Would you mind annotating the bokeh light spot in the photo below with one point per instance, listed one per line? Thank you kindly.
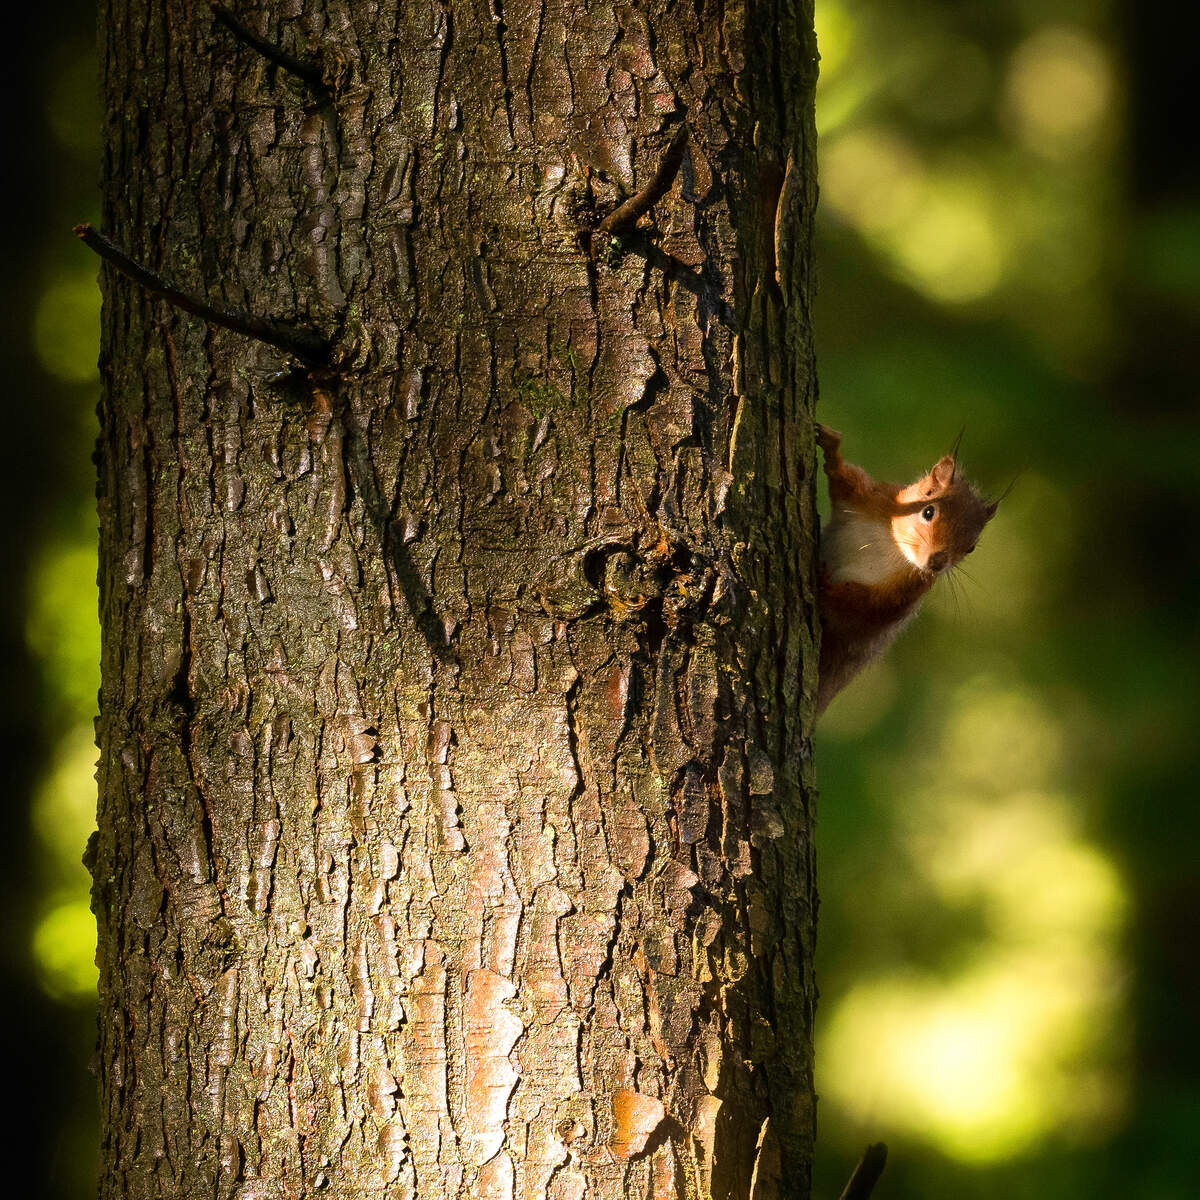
(835, 35)
(979, 1064)
(64, 946)
(872, 178)
(937, 231)
(951, 248)
(65, 325)
(1059, 90)
(64, 806)
(63, 628)
(995, 730)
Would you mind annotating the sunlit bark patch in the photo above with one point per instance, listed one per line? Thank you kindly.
(635, 1118)
(492, 1030)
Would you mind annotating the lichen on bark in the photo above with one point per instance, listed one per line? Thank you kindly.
(455, 796)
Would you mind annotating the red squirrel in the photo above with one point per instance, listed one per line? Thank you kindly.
(881, 551)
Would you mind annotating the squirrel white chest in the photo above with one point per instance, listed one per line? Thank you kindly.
(860, 549)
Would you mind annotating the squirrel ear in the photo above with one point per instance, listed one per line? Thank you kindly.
(990, 509)
(943, 474)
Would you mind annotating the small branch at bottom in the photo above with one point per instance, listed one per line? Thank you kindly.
(866, 1174)
(309, 72)
(625, 216)
(310, 348)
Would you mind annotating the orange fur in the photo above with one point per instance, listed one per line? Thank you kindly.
(881, 551)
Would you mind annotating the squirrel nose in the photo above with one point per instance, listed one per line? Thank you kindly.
(938, 561)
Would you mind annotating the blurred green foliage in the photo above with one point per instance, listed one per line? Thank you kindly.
(52, 627)
(988, 1004)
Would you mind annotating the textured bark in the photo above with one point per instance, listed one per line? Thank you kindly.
(455, 800)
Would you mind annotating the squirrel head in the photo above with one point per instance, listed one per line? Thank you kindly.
(939, 518)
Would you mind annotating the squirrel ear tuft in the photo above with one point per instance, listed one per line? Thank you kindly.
(943, 474)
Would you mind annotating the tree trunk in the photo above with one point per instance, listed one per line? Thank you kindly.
(455, 791)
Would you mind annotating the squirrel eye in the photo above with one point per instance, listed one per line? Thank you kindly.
(928, 511)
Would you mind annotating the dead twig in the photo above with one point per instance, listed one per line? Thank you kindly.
(309, 72)
(310, 348)
(866, 1174)
(626, 215)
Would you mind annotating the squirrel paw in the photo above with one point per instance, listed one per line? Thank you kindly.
(828, 439)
